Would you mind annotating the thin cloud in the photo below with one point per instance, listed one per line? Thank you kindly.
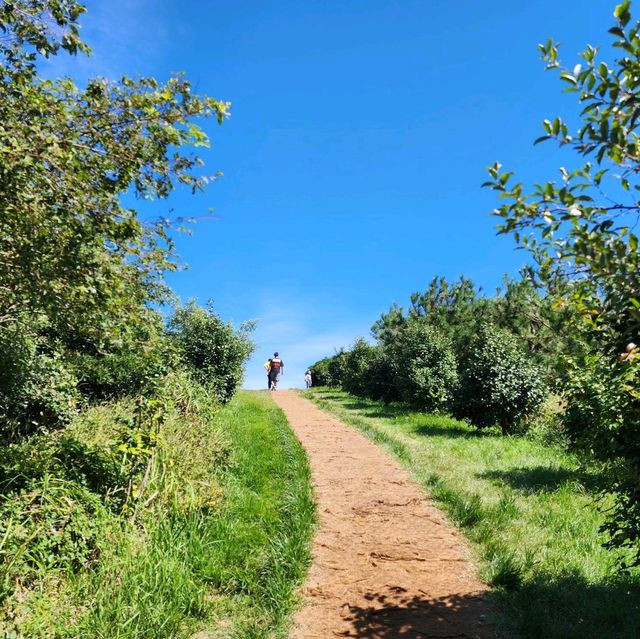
(289, 327)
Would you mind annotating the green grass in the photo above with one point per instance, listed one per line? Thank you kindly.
(530, 509)
(221, 547)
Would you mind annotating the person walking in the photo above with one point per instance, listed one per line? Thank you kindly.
(276, 370)
(307, 378)
(267, 366)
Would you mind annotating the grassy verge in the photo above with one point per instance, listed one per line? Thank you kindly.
(529, 508)
(216, 541)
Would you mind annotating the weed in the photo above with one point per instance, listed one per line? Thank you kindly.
(216, 535)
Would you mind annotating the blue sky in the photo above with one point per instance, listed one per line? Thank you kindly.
(358, 140)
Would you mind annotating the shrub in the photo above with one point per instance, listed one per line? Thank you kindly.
(56, 525)
(24, 466)
(498, 383)
(211, 350)
(369, 372)
(601, 393)
(425, 366)
(142, 358)
(320, 372)
(56, 495)
(329, 371)
(37, 390)
(581, 232)
(548, 425)
(381, 380)
(357, 368)
(593, 398)
(336, 368)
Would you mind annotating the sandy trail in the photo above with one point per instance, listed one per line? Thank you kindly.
(386, 564)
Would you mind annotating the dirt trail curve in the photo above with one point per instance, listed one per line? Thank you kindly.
(386, 565)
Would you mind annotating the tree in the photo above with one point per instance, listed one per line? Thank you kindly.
(78, 269)
(358, 363)
(336, 368)
(387, 326)
(69, 249)
(541, 325)
(499, 384)
(459, 310)
(580, 232)
(425, 366)
(210, 349)
(320, 372)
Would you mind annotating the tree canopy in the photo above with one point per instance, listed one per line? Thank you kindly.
(81, 274)
(69, 250)
(581, 232)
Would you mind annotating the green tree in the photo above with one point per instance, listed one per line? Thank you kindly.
(211, 349)
(580, 232)
(78, 269)
(69, 249)
(424, 365)
(37, 388)
(387, 326)
(336, 368)
(499, 384)
(459, 309)
(358, 363)
(382, 381)
(456, 309)
(320, 372)
(539, 322)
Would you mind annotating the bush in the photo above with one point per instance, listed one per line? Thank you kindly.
(601, 394)
(329, 371)
(320, 372)
(548, 425)
(382, 383)
(210, 349)
(143, 357)
(55, 525)
(498, 383)
(593, 398)
(37, 389)
(56, 494)
(336, 368)
(358, 363)
(425, 366)
(369, 372)
(365, 371)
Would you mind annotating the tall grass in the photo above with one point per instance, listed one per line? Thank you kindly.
(219, 546)
(531, 510)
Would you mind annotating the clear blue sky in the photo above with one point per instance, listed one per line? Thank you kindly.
(358, 140)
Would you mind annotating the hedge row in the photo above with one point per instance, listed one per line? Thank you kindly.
(449, 354)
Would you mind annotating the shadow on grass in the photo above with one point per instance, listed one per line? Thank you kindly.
(546, 608)
(330, 397)
(437, 430)
(397, 615)
(570, 608)
(544, 478)
(392, 411)
(375, 411)
(365, 406)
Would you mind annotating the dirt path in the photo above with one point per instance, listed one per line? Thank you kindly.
(385, 562)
